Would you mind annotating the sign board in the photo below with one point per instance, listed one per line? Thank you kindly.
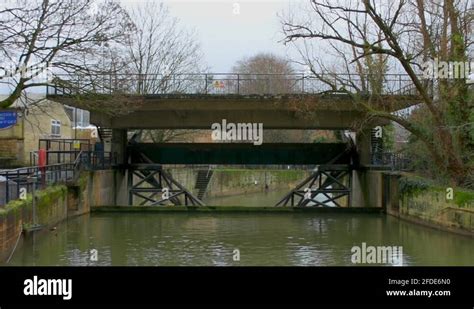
(77, 145)
(218, 84)
(7, 119)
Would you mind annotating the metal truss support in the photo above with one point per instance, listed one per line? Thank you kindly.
(328, 186)
(157, 187)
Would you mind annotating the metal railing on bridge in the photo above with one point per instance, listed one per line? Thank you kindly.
(230, 83)
(391, 160)
(217, 167)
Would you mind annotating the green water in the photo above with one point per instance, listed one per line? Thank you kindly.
(262, 239)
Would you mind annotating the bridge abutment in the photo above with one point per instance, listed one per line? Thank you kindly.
(366, 189)
(364, 145)
(119, 145)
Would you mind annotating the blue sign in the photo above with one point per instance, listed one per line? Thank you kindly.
(7, 119)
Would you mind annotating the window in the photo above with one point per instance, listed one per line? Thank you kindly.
(55, 127)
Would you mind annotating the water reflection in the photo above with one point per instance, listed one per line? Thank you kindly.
(262, 239)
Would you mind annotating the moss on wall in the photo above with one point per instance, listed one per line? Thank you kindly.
(17, 216)
(423, 199)
(415, 186)
(44, 200)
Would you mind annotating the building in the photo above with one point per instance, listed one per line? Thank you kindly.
(29, 119)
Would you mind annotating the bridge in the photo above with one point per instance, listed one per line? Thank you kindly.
(119, 103)
(196, 101)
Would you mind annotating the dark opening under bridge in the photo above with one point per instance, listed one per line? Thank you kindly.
(119, 103)
(242, 153)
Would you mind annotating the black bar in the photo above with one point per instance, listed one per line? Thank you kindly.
(242, 285)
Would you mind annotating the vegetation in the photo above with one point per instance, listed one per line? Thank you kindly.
(44, 199)
(374, 38)
(414, 185)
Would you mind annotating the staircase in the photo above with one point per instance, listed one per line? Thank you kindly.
(202, 181)
(104, 133)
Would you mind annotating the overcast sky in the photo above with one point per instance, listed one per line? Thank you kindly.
(226, 35)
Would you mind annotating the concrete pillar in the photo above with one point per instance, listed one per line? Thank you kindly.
(366, 190)
(361, 190)
(364, 145)
(119, 145)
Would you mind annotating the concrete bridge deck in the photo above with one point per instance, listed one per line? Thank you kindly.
(200, 111)
(195, 101)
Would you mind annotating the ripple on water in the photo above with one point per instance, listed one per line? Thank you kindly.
(262, 239)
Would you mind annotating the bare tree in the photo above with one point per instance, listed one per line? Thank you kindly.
(63, 36)
(161, 52)
(265, 73)
(402, 34)
(161, 56)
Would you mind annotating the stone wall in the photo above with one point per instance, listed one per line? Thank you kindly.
(11, 152)
(423, 202)
(17, 216)
(18, 141)
(57, 203)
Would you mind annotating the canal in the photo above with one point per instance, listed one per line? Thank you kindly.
(262, 239)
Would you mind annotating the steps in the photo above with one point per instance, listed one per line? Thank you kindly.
(104, 133)
(202, 181)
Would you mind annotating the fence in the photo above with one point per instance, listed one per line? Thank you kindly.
(230, 83)
(241, 166)
(17, 182)
(393, 161)
(100, 159)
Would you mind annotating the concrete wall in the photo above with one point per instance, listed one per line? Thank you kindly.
(225, 182)
(108, 187)
(57, 203)
(366, 188)
(422, 202)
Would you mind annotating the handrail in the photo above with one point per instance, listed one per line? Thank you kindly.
(12, 171)
(227, 83)
(78, 159)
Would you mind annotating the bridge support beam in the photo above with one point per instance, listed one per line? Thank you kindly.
(364, 145)
(329, 186)
(119, 145)
(366, 188)
(366, 184)
(154, 186)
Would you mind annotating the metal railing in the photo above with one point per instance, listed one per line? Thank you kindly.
(15, 183)
(230, 83)
(217, 167)
(18, 182)
(95, 159)
(391, 160)
(64, 144)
